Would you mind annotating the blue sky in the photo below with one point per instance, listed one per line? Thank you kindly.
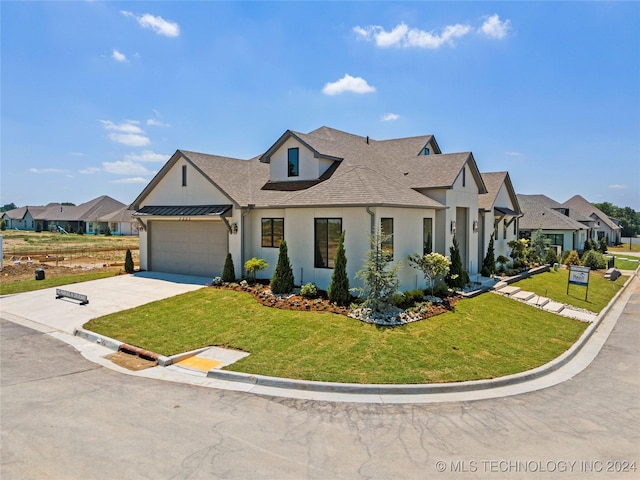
(96, 96)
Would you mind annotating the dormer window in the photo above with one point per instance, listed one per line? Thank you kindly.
(426, 150)
(292, 166)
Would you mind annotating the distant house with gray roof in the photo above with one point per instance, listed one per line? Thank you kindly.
(308, 188)
(601, 225)
(554, 220)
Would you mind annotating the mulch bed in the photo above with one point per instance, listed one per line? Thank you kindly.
(264, 296)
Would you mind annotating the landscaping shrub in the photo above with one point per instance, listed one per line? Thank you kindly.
(108, 232)
(39, 227)
(537, 247)
(457, 277)
(254, 265)
(587, 246)
(433, 265)
(603, 245)
(550, 256)
(229, 271)
(338, 290)
(217, 281)
(407, 299)
(489, 262)
(81, 231)
(519, 252)
(594, 260)
(282, 281)
(309, 290)
(3, 225)
(380, 282)
(572, 258)
(503, 261)
(128, 262)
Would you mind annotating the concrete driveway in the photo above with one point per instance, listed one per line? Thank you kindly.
(105, 296)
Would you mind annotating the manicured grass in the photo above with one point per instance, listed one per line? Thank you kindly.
(625, 264)
(30, 285)
(487, 336)
(553, 285)
(635, 247)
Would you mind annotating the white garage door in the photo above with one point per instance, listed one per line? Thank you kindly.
(192, 248)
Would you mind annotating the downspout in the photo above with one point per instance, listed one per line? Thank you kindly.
(373, 220)
(245, 212)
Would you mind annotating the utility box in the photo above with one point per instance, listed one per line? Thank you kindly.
(39, 274)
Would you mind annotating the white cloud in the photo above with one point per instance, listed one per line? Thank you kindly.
(390, 117)
(118, 56)
(125, 168)
(157, 24)
(130, 139)
(129, 126)
(157, 123)
(403, 36)
(131, 180)
(48, 170)
(494, 28)
(617, 186)
(90, 170)
(348, 84)
(147, 156)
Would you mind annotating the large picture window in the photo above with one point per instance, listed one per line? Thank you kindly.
(554, 238)
(292, 165)
(327, 233)
(386, 226)
(427, 236)
(272, 232)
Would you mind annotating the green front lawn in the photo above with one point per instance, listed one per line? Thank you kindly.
(487, 336)
(625, 264)
(553, 285)
(7, 288)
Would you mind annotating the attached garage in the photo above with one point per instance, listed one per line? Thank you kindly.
(188, 247)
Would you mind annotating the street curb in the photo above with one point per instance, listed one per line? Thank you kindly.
(98, 339)
(412, 389)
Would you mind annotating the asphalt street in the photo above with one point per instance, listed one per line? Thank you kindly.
(63, 417)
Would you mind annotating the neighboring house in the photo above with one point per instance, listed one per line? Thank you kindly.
(120, 222)
(25, 218)
(601, 226)
(499, 212)
(543, 213)
(85, 216)
(307, 189)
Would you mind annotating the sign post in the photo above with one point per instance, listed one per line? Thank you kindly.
(579, 276)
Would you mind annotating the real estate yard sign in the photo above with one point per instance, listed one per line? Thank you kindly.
(579, 276)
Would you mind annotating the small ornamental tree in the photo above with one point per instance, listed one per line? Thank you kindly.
(380, 281)
(282, 281)
(550, 256)
(489, 262)
(457, 277)
(254, 265)
(572, 259)
(519, 252)
(229, 271)
(128, 262)
(3, 225)
(338, 291)
(603, 245)
(432, 265)
(537, 246)
(587, 246)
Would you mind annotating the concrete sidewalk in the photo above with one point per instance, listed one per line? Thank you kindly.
(107, 295)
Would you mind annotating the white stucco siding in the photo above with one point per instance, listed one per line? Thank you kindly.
(463, 197)
(356, 223)
(309, 167)
(198, 191)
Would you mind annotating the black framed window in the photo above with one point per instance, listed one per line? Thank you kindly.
(293, 162)
(386, 226)
(184, 175)
(327, 233)
(427, 236)
(272, 232)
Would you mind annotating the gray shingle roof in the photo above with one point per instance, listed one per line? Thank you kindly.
(372, 172)
(493, 181)
(88, 211)
(587, 209)
(538, 215)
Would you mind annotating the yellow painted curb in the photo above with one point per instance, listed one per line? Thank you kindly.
(199, 363)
